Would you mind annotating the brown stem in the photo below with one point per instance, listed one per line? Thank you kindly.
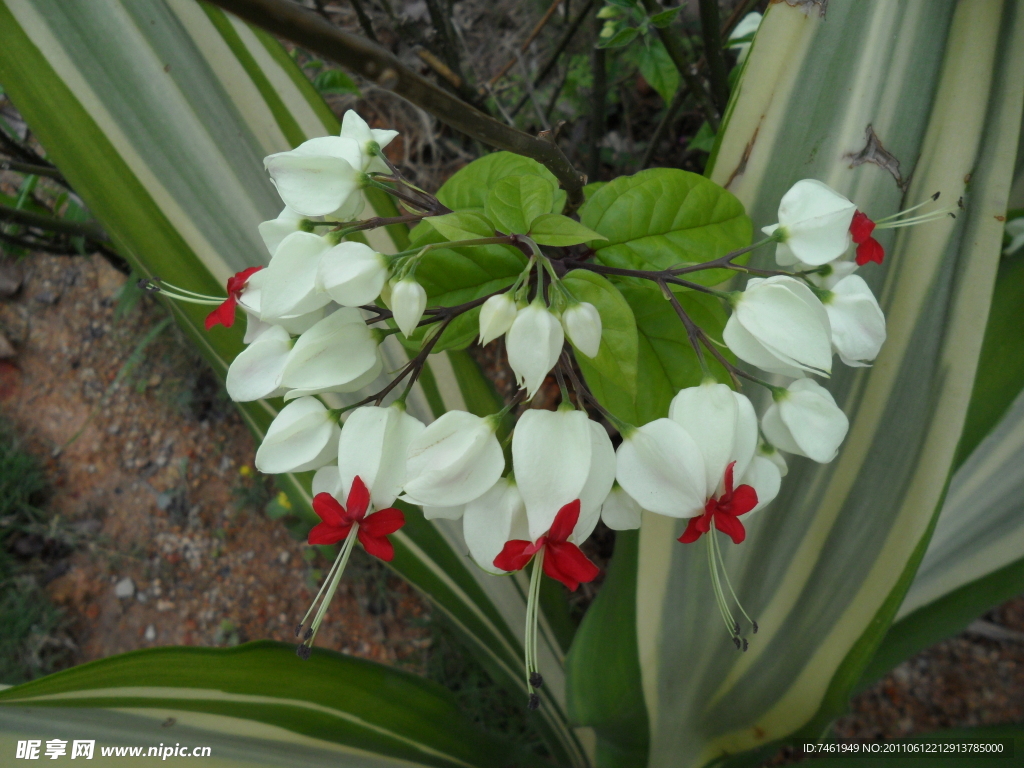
(526, 43)
(39, 221)
(31, 168)
(375, 63)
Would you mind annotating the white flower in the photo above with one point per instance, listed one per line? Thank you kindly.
(673, 466)
(352, 274)
(600, 479)
(454, 460)
(805, 420)
(288, 284)
(833, 273)
(582, 324)
(257, 370)
(496, 317)
(780, 326)
(354, 127)
(303, 436)
(250, 301)
(276, 230)
(551, 452)
(748, 25)
(320, 177)
(768, 451)
(858, 325)
(408, 300)
(338, 354)
(374, 444)
(534, 343)
(814, 221)
(620, 512)
(491, 520)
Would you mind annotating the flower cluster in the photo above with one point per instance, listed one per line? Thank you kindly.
(317, 314)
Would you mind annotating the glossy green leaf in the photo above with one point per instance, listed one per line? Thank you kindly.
(335, 81)
(666, 362)
(661, 218)
(336, 707)
(617, 358)
(624, 36)
(656, 66)
(557, 230)
(468, 187)
(462, 225)
(515, 201)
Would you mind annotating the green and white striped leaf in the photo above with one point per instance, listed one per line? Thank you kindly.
(159, 113)
(825, 567)
(256, 704)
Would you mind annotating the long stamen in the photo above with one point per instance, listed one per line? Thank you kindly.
(306, 647)
(905, 211)
(154, 285)
(533, 678)
(924, 217)
(728, 583)
(723, 607)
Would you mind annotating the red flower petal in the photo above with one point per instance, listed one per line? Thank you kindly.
(329, 510)
(693, 530)
(378, 546)
(567, 563)
(565, 521)
(358, 499)
(382, 522)
(325, 533)
(515, 555)
(728, 479)
(861, 227)
(742, 501)
(222, 315)
(870, 250)
(237, 281)
(731, 526)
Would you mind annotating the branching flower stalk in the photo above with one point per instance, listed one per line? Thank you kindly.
(317, 314)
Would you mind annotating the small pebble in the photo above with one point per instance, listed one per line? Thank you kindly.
(124, 588)
(284, 557)
(150, 633)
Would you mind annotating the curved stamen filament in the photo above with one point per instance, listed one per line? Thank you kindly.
(530, 640)
(333, 579)
(728, 583)
(723, 607)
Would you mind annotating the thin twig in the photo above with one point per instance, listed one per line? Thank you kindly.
(364, 20)
(375, 63)
(33, 169)
(526, 44)
(39, 221)
(717, 74)
(440, 68)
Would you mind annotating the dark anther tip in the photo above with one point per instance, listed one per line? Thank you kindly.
(754, 624)
(303, 651)
(736, 628)
(149, 284)
(533, 702)
(736, 642)
(536, 680)
(308, 635)
(745, 646)
(298, 630)
(936, 195)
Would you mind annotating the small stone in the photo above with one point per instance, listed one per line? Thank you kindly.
(11, 276)
(47, 297)
(154, 380)
(164, 605)
(150, 633)
(124, 588)
(141, 597)
(284, 557)
(6, 348)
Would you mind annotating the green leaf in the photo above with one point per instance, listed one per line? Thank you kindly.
(704, 139)
(468, 187)
(556, 229)
(335, 81)
(663, 19)
(515, 201)
(624, 36)
(662, 217)
(623, 3)
(462, 225)
(658, 69)
(666, 361)
(328, 706)
(617, 358)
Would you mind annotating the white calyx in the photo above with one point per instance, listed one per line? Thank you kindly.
(805, 420)
(493, 519)
(289, 281)
(274, 231)
(533, 343)
(858, 324)
(338, 354)
(351, 274)
(320, 177)
(354, 127)
(303, 436)
(496, 317)
(408, 300)
(582, 324)
(257, 370)
(814, 221)
(374, 444)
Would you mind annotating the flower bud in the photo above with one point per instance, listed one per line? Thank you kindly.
(373, 446)
(582, 324)
(303, 436)
(534, 343)
(257, 370)
(496, 317)
(454, 460)
(338, 354)
(805, 420)
(620, 512)
(352, 274)
(408, 300)
(858, 324)
(814, 221)
(780, 326)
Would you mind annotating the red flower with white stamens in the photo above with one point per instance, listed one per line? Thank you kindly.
(868, 249)
(723, 512)
(563, 560)
(225, 313)
(373, 529)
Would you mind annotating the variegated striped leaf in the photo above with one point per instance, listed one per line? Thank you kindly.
(159, 112)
